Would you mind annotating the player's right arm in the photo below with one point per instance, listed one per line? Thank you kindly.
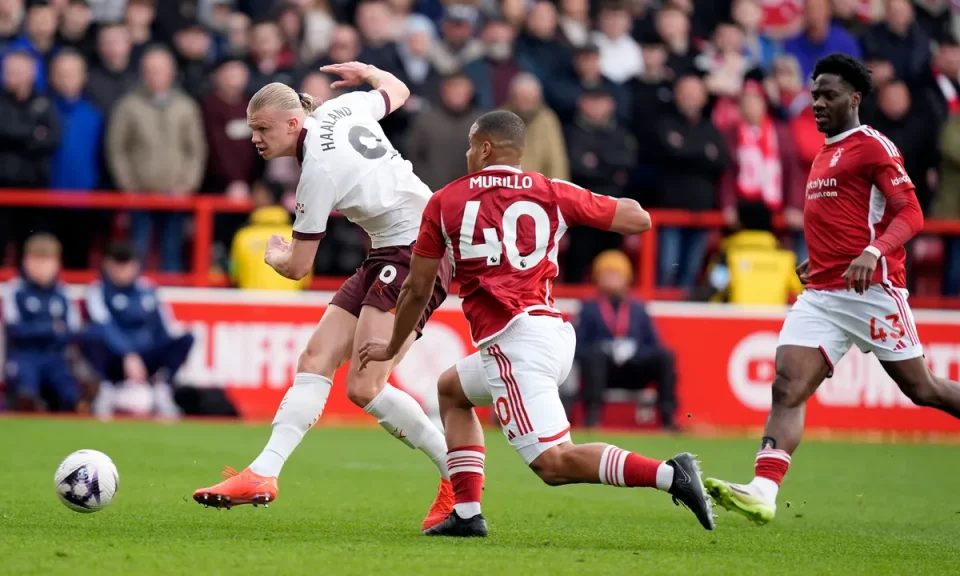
(585, 208)
(316, 198)
(391, 89)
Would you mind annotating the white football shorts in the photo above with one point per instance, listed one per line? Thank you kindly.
(519, 373)
(878, 321)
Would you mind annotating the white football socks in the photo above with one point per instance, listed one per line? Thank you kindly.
(767, 488)
(298, 412)
(400, 415)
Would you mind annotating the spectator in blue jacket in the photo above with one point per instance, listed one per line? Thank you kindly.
(821, 37)
(39, 38)
(76, 162)
(39, 320)
(133, 339)
(618, 346)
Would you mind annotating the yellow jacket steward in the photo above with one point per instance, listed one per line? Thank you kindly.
(247, 267)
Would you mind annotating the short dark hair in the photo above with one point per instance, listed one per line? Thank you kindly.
(120, 251)
(503, 126)
(848, 68)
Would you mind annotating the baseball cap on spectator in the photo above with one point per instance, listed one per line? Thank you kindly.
(32, 3)
(460, 13)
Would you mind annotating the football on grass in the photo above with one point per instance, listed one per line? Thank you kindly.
(86, 481)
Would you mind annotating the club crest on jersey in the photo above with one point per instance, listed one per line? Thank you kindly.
(836, 157)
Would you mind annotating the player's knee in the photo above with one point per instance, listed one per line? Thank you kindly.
(551, 467)
(314, 361)
(362, 391)
(787, 392)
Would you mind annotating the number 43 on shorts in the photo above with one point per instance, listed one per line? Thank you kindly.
(878, 333)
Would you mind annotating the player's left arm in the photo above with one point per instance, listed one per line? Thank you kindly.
(293, 259)
(416, 290)
(890, 177)
(391, 89)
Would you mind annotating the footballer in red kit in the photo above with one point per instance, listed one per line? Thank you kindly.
(502, 228)
(860, 210)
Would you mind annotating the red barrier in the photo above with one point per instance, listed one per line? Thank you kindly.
(248, 344)
(205, 207)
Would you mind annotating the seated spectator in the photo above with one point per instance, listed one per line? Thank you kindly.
(247, 268)
(911, 129)
(900, 40)
(146, 160)
(39, 38)
(115, 74)
(759, 49)
(39, 320)
(414, 49)
(456, 47)
(602, 154)
(546, 152)
(11, 18)
(132, 338)
(587, 75)
(270, 60)
(673, 26)
(764, 175)
(940, 86)
(620, 57)
(691, 155)
(139, 18)
(193, 48)
(492, 73)
(618, 346)
(435, 145)
(377, 26)
(75, 28)
(947, 202)
(574, 22)
(540, 48)
(820, 38)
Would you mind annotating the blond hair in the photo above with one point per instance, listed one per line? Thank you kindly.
(279, 96)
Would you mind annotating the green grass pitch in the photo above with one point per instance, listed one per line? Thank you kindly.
(351, 503)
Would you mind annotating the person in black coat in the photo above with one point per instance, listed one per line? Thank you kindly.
(29, 136)
(691, 155)
(601, 153)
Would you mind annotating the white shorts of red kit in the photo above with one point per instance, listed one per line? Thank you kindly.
(519, 373)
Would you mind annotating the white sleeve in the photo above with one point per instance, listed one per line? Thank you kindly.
(316, 199)
(96, 304)
(11, 313)
(374, 102)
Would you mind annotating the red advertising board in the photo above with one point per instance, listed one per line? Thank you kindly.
(249, 342)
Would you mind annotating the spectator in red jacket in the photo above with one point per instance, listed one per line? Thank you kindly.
(764, 175)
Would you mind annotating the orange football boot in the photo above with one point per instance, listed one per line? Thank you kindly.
(239, 488)
(442, 506)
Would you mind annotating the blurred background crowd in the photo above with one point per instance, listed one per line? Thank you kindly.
(697, 105)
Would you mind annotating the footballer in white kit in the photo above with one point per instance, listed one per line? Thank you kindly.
(502, 227)
(347, 165)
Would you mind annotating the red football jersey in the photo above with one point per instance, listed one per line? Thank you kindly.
(846, 206)
(503, 227)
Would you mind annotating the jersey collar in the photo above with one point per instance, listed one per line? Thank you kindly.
(504, 167)
(301, 141)
(843, 135)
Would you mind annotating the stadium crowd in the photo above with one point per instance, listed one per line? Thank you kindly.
(689, 104)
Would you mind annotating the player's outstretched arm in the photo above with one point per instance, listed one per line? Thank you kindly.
(357, 73)
(630, 217)
(293, 259)
(411, 303)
